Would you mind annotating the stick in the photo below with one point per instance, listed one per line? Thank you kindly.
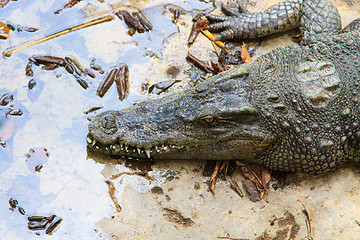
(9, 51)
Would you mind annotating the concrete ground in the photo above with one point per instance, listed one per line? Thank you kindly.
(173, 200)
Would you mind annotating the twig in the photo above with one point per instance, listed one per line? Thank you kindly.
(309, 221)
(9, 51)
(111, 187)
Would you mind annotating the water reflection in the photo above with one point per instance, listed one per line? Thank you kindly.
(69, 185)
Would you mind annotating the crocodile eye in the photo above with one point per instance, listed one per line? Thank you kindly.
(108, 124)
(208, 119)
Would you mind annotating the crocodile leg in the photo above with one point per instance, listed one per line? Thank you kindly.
(312, 16)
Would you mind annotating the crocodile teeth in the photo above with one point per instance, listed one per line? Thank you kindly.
(147, 151)
(94, 142)
(126, 148)
(138, 150)
(89, 140)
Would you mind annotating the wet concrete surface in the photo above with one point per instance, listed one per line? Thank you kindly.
(173, 200)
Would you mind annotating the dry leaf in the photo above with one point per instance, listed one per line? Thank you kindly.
(265, 176)
(309, 221)
(122, 81)
(245, 56)
(200, 64)
(236, 187)
(255, 194)
(214, 176)
(251, 175)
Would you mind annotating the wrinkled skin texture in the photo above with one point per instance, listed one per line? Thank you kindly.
(294, 109)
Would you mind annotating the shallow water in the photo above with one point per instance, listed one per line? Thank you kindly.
(72, 185)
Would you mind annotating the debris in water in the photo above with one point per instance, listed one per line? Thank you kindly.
(69, 4)
(9, 51)
(122, 80)
(161, 87)
(36, 158)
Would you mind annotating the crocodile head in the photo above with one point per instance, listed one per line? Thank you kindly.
(214, 121)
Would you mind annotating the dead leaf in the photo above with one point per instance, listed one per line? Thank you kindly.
(251, 175)
(245, 56)
(200, 64)
(265, 176)
(255, 194)
(236, 187)
(161, 87)
(309, 221)
(214, 177)
(69, 4)
(122, 81)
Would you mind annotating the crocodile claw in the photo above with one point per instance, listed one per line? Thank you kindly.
(225, 25)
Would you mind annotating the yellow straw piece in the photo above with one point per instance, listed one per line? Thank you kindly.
(9, 51)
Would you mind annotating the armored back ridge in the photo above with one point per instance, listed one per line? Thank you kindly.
(293, 109)
(308, 97)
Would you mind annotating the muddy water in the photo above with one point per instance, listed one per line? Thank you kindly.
(72, 184)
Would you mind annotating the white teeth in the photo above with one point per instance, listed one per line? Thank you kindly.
(126, 148)
(94, 142)
(147, 151)
(121, 147)
(156, 147)
(138, 150)
(89, 140)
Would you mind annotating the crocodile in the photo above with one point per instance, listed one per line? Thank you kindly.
(293, 109)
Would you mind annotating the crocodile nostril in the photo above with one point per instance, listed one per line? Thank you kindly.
(108, 122)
